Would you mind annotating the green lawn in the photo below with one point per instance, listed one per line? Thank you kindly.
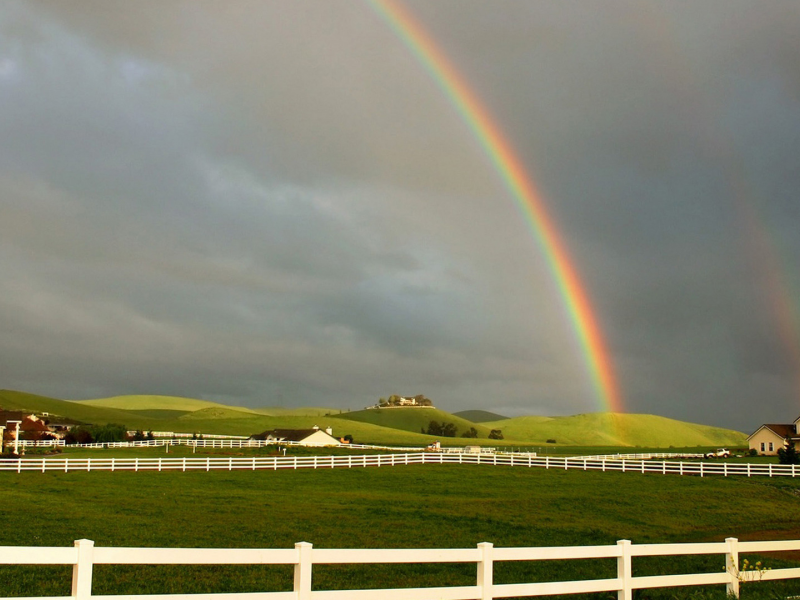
(401, 507)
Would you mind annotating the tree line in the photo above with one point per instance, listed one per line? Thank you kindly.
(447, 429)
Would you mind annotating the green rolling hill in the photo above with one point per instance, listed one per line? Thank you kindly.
(397, 426)
(150, 402)
(215, 413)
(207, 418)
(479, 416)
(412, 419)
(13, 400)
(616, 429)
(279, 411)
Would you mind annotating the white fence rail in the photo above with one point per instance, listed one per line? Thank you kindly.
(84, 555)
(199, 443)
(643, 456)
(230, 463)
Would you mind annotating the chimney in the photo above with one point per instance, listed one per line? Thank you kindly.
(315, 428)
(329, 430)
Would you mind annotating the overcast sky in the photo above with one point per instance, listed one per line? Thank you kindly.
(271, 202)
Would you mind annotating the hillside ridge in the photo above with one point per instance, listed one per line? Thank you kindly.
(397, 426)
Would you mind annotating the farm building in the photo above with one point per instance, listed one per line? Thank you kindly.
(771, 437)
(30, 426)
(306, 437)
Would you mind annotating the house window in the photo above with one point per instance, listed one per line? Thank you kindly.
(762, 446)
(770, 447)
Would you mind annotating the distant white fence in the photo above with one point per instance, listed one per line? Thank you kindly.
(197, 443)
(231, 463)
(643, 456)
(84, 555)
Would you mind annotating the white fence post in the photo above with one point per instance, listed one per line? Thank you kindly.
(302, 571)
(82, 570)
(624, 571)
(486, 570)
(732, 566)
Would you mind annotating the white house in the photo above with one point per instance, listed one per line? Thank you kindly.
(306, 437)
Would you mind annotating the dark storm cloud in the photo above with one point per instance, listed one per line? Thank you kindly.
(272, 202)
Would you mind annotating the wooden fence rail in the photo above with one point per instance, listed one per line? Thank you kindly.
(84, 555)
(231, 463)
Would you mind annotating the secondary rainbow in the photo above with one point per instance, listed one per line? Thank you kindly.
(523, 191)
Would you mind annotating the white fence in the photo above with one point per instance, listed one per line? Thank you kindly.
(643, 456)
(203, 443)
(200, 443)
(84, 555)
(384, 460)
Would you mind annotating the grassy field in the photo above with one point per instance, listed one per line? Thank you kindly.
(402, 507)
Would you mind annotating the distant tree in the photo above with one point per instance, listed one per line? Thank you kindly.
(111, 432)
(150, 435)
(348, 438)
(449, 429)
(434, 428)
(495, 434)
(138, 436)
(551, 441)
(788, 455)
(79, 435)
(470, 433)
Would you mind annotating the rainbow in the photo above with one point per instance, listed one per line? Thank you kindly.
(523, 191)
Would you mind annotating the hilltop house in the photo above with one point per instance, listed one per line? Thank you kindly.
(305, 437)
(770, 437)
(395, 401)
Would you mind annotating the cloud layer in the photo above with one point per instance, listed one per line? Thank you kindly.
(273, 203)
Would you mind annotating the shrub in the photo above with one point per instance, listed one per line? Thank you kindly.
(83, 434)
(551, 441)
(470, 433)
(788, 455)
(495, 434)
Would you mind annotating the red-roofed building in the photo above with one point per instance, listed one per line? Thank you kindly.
(31, 427)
